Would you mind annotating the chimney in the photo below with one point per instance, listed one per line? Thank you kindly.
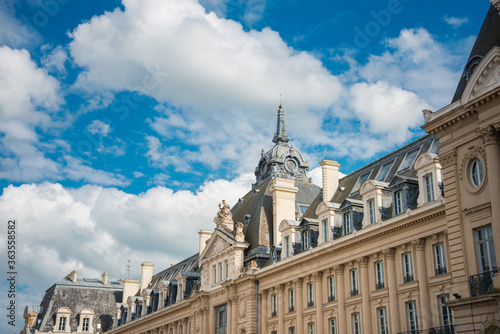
(330, 173)
(104, 278)
(283, 191)
(146, 274)
(72, 276)
(130, 288)
(204, 236)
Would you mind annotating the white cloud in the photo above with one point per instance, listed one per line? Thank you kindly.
(455, 22)
(254, 11)
(108, 224)
(198, 60)
(13, 32)
(55, 60)
(76, 170)
(97, 126)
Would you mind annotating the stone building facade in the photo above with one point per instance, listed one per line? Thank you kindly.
(405, 244)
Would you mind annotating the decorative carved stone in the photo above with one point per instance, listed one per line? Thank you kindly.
(447, 159)
(472, 153)
(490, 134)
(224, 217)
(242, 308)
(419, 244)
(363, 261)
(318, 276)
(389, 253)
(339, 269)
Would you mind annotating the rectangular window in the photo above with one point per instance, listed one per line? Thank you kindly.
(291, 330)
(379, 275)
(384, 170)
(85, 324)
(440, 259)
(310, 294)
(382, 320)
(220, 272)
(62, 323)
(181, 329)
(331, 288)
(434, 147)
(347, 223)
(429, 188)
(407, 268)
(446, 319)
(326, 235)
(310, 328)
(274, 305)
(333, 326)
(354, 282)
(360, 181)
(214, 274)
(180, 291)
(171, 331)
(227, 269)
(411, 308)
(356, 323)
(409, 159)
(221, 320)
(287, 246)
(306, 239)
(291, 300)
(371, 211)
(485, 249)
(398, 202)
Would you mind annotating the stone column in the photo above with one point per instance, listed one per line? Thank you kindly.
(341, 319)
(318, 287)
(392, 286)
(423, 283)
(264, 311)
(234, 314)
(205, 322)
(229, 313)
(365, 294)
(211, 320)
(491, 140)
(299, 305)
(281, 309)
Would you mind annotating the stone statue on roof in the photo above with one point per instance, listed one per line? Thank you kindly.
(224, 217)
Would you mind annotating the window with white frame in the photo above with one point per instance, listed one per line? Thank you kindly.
(379, 275)
(227, 269)
(354, 282)
(291, 300)
(331, 288)
(85, 324)
(407, 268)
(440, 259)
(214, 273)
(181, 329)
(310, 328)
(172, 330)
(429, 188)
(371, 211)
(384, 170)
(291, 330)
(382, 320)
(180, 292)
(221, 319)
(347, 222)
(274, 305)
(326, 235)
(476, 172)
(333, 326)
(486, 249)
(398, 202)
(411, 309)
(306, 239)
(286, 241)
(409, 159)
(356, 323)
(310, 294)
(360, 181)
(62, 324)
(220, 272)
(445, 311)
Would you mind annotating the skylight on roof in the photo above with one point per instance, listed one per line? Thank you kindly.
(409, 159)
(361, 179)
(434, 147)
(384, 170)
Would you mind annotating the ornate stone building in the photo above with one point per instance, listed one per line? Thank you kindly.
(405, 244)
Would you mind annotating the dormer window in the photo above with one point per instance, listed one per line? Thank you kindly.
(286, 242)
(384, 171)
(361, 180)
(326, 228)
(371, 211)
(347, 223)
(306, 242)
(429, 178)
(398, 202)
(409, 159)
(429, 188)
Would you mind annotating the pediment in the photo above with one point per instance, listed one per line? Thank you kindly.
(425, 159)
(324, 206)
(217, 244)
(486, 77)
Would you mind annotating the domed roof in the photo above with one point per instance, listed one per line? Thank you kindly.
(282, 160)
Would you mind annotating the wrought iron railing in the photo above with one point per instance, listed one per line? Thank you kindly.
(291, 309)
(408, 278)
(274, 313)
(379, 285)
(450, 329)
(310, 303)
(331, 298)
(413, 331)
(480, 284)
(354, 292)
(441, 271)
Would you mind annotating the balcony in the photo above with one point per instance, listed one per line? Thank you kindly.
(354, 292)
(450, 329)
(310, 303)
(274, 314)
(440, 271)
(413, 331)
(331, 298)
(481, 284)
(379, 285)
(408, 278)
(291, 309)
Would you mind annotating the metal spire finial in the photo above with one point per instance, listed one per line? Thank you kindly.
(280, 135)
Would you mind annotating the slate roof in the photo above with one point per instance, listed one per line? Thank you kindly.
(188, 265)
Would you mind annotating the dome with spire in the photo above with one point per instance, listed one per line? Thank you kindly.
(282, 160)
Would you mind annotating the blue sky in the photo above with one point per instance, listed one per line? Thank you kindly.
(127, 121)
